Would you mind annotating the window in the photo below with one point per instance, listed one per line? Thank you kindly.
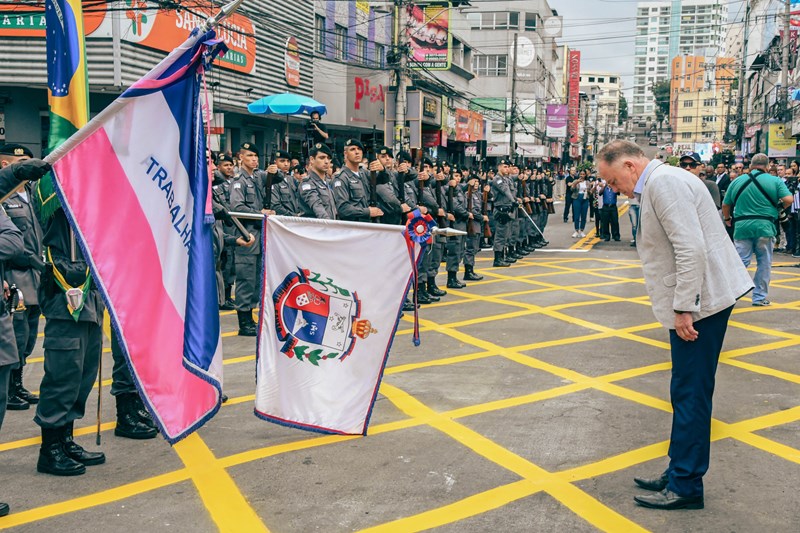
(340, 38)
(687, 120)
(612, 80)
(380, 56)
(502, 20)
(530, 21)
(601, 80)
(591, 79)
(319, 28)
(688, 103)
(495, 66)
(710, 102)
(686, 135)
(361, 49)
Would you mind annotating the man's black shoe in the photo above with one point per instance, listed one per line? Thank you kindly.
(52, 458)
(227, 306)
(17, 389)
(656, 484)
(433, 290)
(452, 281)
(668, 500)
(606, 239)
(248, 330)
(76, 452)
(408, 305)
(4, 509)
(423, 298)
(224, 398)
(15, 403)
(129, 422)
(470, 275)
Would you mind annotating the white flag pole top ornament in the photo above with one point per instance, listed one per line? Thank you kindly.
(328, 318)
(157, 281)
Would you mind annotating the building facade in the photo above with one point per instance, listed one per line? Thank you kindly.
(700, 118)
(695, 74)
(603, 90)
(669, 28)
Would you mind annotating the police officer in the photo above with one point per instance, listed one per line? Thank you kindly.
(476, 220)
(221, 189)
(315, 197)
(284, 193)
(505, 206)
(439, 248)
(11, 246)
(351, 188)
(247, 195)
(455, 245)
(24, 272)
(427, 199)
(391, 187)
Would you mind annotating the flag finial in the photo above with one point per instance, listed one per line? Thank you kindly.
(225, 12)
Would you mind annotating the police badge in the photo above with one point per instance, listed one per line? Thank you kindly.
(316, 319)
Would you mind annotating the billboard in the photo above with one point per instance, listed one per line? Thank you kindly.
(429, 36)
(780, 142)
(573, 98)
(469, 125)
(557, 121)
(145, 25)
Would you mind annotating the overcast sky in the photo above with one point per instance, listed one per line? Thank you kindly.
(603, 31)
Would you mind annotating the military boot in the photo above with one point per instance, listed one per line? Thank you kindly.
(520, 251)
(22, 392)
(128, 424)
(433, 290)
(452, 281)
(4, 509)
(143, 414)
(509, 257)
(423, 298)
(247, 328)
(499, 261)
(14, 402)
(52, 457)
(530, 245)
(408, 305)
(470, 275)
(76, 452)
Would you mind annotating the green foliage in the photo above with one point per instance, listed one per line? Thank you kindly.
(660, 92)
(623, 110)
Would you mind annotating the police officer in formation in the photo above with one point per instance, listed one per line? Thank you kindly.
(459, 216)
(248, 193)
(351, 188)
(221, 189)
(316, 197)
(23, 273)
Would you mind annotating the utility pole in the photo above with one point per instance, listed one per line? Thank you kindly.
(784, 95)
(511, 137)
(742, 75)
(401, 76)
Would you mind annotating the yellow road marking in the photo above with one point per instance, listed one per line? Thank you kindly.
(226, 504)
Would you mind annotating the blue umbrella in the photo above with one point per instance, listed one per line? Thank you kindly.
(286, 104)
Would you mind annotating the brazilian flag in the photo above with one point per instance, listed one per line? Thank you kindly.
(67, 82)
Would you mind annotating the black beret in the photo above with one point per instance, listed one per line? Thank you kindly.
(404, 157)
(224, 158)
(505, 161)
(282, 154)
(427, 161)
(354, 142)
(385, 150)
(320, 148)
(16, 150)
(250, 147)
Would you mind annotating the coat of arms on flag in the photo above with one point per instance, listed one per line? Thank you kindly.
(317, 319)
(327, 325)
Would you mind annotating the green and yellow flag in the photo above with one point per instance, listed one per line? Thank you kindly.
(67, 82)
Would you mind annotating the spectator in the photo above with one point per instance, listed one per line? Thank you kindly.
(751, 207)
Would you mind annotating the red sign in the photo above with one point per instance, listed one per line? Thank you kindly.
(573, 99)
(469, 126)
(365, 89)
(292, 62)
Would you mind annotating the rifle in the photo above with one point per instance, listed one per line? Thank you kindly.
(270, 178)
(442, 221)
(470, 229)
(521, 194)
(450, 190)
(373, 189)
(487, 230)
(227, 216)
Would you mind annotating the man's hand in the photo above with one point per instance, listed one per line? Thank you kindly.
(405, 208)
(272, 169)
(268, 211)
(423, 209)
(423, 176)
(375, 212)
(684, 327)
(376, 166)
(241, 242)
(451, 217)
(451, 183)
(403, 167)
(441, 212)
(440, 176)
(30, 169)
(6, 291)
(485, 218)
(471, 216)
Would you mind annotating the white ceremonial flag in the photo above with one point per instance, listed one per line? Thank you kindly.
(333, 293)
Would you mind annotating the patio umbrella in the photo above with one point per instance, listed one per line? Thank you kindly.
(286, 104)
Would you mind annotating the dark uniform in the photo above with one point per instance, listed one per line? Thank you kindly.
(247, 196)
(286, 196)
(221, 190)
(455, 245)
(316, 199)
(505, 206)
(426, 197)
(351, 191)
(474, 201)
(25, 273)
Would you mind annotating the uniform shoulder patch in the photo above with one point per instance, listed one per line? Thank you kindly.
(237, 185)
(306, 187)
(337, 183)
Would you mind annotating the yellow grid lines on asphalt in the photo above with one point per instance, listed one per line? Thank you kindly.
(582, 503)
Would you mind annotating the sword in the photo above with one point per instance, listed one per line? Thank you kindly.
(532, 222)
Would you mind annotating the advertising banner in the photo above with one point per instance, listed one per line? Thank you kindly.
(780, 142)
(573, 99)
(557, 121)
(147, 25)
(469, 126)
(429, 36)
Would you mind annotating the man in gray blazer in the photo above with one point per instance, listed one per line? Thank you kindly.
(693, 276)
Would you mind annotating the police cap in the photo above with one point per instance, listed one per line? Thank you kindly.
(404, 157)
(319, 148)
(354, 142)
(282, 154)
(385, 150)
(427, 161)
(224, 158)
(16, 150)
(250, 147)
(504, 161)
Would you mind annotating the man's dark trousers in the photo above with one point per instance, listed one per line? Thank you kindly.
(694, 365)
(609, 222)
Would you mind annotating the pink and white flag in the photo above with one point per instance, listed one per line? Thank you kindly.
(134, 184)
(333, 294)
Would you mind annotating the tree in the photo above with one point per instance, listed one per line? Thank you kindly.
(660, 92)
(623, 110)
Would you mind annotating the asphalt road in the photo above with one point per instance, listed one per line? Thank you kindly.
(535, 397)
